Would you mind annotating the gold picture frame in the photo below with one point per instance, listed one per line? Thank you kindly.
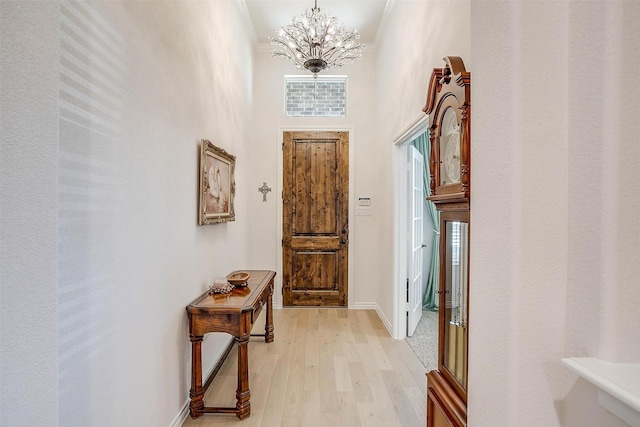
(217, 185)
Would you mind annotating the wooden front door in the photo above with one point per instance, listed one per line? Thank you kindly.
(315, 227)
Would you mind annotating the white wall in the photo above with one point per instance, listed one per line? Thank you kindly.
(29, 66)
(103, 106)
(555, 222)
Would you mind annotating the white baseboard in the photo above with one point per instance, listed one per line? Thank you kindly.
(364, 306)
(184, 413)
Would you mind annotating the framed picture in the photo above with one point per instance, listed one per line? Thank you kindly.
(217, 185)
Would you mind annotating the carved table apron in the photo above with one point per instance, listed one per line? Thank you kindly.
(233, 313)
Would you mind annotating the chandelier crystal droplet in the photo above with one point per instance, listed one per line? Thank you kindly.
(317, 42)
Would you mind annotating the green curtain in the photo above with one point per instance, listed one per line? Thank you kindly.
(430, 298)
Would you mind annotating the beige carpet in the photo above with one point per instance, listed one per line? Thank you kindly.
(424, 341)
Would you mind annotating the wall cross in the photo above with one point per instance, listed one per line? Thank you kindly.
(264, 190)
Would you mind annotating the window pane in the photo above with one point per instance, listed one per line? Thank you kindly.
(320, 97)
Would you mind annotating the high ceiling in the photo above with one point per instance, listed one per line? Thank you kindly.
(363, 15)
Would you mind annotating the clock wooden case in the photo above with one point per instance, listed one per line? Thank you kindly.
(449, 109)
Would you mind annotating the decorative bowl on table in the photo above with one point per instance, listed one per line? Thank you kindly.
(220, 286)
(238, 278)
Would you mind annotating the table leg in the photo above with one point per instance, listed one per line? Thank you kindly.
(268, 325)
(243, 394)
(197, 391)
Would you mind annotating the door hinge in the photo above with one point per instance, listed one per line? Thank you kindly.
(407, 292)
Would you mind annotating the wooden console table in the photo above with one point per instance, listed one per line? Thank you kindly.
(233, 313)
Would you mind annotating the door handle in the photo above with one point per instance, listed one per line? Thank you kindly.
(343, 241)
(423, 246)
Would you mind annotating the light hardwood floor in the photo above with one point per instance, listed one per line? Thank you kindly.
(327, 367)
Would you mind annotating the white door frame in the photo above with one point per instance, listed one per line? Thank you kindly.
(400, 227)
(277, 292)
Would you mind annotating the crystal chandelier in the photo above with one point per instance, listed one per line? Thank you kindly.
(316, 42)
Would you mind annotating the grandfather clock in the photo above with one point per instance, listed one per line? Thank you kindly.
(449, 109)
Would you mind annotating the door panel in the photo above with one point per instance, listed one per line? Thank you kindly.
(417, 237)
(314, 186)
(316, 271)
(315, 230)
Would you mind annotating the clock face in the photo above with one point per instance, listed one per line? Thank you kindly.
(452, 162)
(449, 148)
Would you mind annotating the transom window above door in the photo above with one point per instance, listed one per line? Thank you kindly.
(323, 96)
